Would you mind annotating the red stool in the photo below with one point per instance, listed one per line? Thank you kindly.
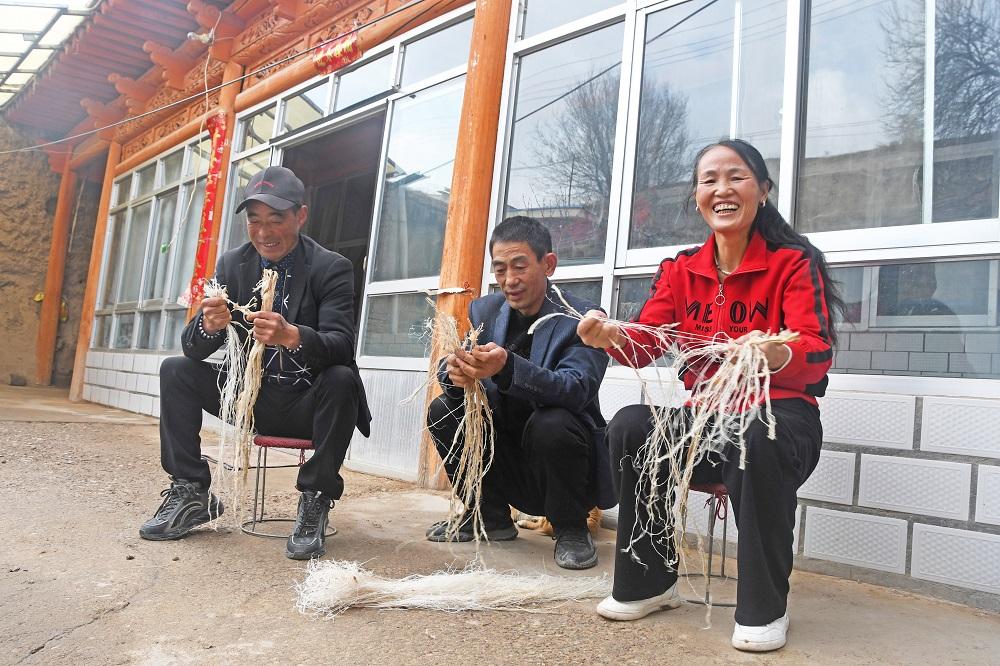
(718, 509)
(263, 443)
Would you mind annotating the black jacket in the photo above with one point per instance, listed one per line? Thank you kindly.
(321, 306)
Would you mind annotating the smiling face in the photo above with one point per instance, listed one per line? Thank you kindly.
(727, 193)
(521, 275)
(274, 233)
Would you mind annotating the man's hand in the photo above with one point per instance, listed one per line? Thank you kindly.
(272, 329)
(455, 373)
(215, 315)
(481, 362)
(596, 331)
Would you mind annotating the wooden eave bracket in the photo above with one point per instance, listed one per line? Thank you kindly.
(174, 65)
(58, 156)
(225, 23)
(102, 115)
(136, 93)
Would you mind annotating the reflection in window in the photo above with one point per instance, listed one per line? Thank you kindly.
(436, 53)
(102, 331)
(632, 295)
(124, 328)
(199, 158)
(122, 188)
(371, 79)
(156, 253)
(306, 107)
(923, 318)
(588, 290)
(174, 324)
(144, 180)
(419, 160)
(397, 325)
(863, 145)
(563, 141)
(686, 103)
(258, 128)
(114, 258)
(966, 113)
(542, 15)
(149, 330)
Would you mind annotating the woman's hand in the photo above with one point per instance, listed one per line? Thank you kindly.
(777, 353)
(596, 331)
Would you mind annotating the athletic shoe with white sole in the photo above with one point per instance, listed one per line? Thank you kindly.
(633, 610)
(770, 636)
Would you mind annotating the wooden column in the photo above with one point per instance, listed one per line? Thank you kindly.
(94, 274)
(472, 182)
(48, 325)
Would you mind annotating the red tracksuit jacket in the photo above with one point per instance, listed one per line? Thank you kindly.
(774, 288)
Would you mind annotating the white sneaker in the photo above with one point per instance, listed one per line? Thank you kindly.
(633, 610)
(771, 636)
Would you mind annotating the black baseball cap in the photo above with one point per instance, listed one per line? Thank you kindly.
(275, 186)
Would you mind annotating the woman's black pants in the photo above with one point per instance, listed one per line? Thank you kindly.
(763, 496)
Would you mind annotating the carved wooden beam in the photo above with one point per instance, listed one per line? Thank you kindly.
(287, 10)
(175, 66)
(102, 115)
(210, 17)
(136, 93)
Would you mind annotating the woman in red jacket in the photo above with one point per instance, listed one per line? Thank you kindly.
(753, 273)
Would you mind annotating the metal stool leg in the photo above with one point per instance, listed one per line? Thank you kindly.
(711, 548)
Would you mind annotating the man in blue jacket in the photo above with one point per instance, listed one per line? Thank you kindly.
(549, 458)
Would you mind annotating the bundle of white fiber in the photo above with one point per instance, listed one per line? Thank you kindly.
(332, 586)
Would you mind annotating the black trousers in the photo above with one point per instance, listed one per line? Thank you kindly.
(541, 467)
(763, 497)
(325, 412)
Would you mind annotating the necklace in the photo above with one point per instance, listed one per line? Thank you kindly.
(721, 269)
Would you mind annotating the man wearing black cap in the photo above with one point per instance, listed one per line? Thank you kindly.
(311, 388)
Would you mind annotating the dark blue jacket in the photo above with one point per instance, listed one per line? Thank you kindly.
(561, 372)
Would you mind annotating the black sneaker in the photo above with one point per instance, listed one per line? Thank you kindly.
(575, 548)
(186, 505)
(495, 530)
(308, 537)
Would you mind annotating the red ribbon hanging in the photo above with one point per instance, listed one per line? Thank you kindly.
(217, 126)
(339, 53)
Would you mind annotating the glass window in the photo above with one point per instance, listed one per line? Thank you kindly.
(175, 320)
(102, 331)
(185, 241)
(966, 113)
(135, 253)
(563, 141)
(437, 52)
(542, 15)
(199, 158)
(258, 129)
(156, 254)
(306, 107)
(686, 102)
(421, 152)
(124, 328)
(588, 290)
(922, 318)
(172, 165)
(122, 191)
(851, 282)
(367, 81)
(114, 255)
(863, 144)
(397, 325)
(632, 295)
(144, 180)
(240, 174)
(149, 330)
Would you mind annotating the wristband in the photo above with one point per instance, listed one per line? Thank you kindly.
(787, 360)
(204, 334)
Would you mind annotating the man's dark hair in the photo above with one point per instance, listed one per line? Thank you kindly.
(521, 228)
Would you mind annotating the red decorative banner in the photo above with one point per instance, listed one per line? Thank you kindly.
(336, 54)
(217, 128)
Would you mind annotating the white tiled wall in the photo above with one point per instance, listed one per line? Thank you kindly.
(869, 419)
(875, 542)
(833, 478)
(908, 485)
(988, 495)
(965, 426)
(958, 557)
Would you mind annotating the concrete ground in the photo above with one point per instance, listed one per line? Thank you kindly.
(78, 586)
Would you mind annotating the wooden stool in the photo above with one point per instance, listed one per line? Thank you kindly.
(263, 443)
(718, 509)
